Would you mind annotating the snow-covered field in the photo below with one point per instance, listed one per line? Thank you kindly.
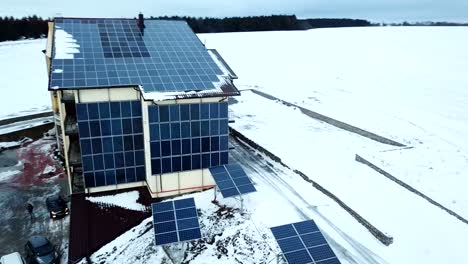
(407, 84)
(23, 77)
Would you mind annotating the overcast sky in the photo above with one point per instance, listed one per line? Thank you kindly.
(374, 10)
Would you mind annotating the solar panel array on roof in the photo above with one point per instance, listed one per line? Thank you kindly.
(166, 57)
(175, 221)
(303, 243)
(232, 180)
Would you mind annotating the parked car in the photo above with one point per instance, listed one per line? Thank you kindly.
(39, 250)
(57, 206)
(13, 258)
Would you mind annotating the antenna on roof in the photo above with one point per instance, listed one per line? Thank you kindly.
(141, 23)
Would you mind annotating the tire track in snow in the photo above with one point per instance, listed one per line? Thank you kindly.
(271, 175)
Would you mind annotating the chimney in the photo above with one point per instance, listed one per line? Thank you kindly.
(141, 22)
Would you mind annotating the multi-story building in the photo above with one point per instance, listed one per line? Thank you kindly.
(137, 103)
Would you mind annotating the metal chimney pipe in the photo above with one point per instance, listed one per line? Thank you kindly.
(141, 22)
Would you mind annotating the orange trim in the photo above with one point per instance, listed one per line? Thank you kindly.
(175, 190)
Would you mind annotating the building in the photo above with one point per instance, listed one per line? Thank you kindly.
(137, 103)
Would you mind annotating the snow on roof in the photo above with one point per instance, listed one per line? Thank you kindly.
(126, 200)
(224, 88)
(65, 44)
(153, 60)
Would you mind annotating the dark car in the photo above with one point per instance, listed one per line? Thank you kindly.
(39, 250)
(57, 206)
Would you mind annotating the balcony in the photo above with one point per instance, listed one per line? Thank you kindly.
(71, 126)
(74, 155)
(68, 97)
(77, 180)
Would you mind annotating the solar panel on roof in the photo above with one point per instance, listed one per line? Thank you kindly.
(175, 221)
(166, 57)
(232, 180)
(303, 243)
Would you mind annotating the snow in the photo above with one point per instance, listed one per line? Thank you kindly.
(401, 83)
(126, 200)
(21, 125)
(65, 44)
(6, 175)
(49, 169)
(11, 144)
(406, 84)
(24, 78)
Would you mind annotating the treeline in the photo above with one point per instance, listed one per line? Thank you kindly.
(26, 27)
(335, 22)
(265, 23)
(35, 27)
(426, 24)
(238, 24)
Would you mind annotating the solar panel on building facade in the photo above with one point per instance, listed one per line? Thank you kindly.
(111, 141)
(188, 136)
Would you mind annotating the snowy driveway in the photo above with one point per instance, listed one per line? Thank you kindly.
(27, 175)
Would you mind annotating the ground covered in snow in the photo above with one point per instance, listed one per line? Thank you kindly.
(24, 78)
(406, 84)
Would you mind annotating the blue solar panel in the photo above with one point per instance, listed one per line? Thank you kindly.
(313, 239)
(186, 213)
(175, 221)
(187, 223)
(184, 203)
(290, 244)
(165, 56)
(242, 181)
(222, 176)
(166, 238)
(181, 138)
(298, 257)
(232, 180)
(303, 242)
(225, 184)
(189, 234)
(248, 188)
(229, 192)
(306, 227)
(163, 217)
(161, 207)
(111, 140)
(283, 231)
(165, 227)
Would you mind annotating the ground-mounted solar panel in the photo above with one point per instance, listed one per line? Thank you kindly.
(175, 221)
(303, 243)
(232, 180)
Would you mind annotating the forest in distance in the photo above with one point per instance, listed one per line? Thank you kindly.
(36, 27)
